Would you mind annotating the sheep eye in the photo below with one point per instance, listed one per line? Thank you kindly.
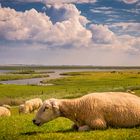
(46, 107)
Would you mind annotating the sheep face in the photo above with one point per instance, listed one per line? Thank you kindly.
(47, 112)
(21, 108)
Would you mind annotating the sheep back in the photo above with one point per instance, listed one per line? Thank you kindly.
(4, 111)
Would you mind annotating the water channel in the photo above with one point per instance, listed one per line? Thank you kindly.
(54, 75)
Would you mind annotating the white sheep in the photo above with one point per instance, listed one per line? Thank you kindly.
(21, 108)
(4, 111)
(30, 105)
(93, 111)
(7, 106)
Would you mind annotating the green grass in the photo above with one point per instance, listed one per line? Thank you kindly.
(74, 86)
(20, 127)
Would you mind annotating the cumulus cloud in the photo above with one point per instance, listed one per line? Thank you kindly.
(102, 34)
(103, 37)
(22, 26)
(33, 26)
(63, 27)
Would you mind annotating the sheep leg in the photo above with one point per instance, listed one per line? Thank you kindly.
(98, 124)
(84, 128)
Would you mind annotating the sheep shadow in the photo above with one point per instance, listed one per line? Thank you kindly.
(66, 131)
(70, 130)
(31, 133)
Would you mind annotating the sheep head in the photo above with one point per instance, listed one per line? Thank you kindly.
(22, 108)
(47, 112)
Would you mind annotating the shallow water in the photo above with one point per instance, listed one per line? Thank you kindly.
(6, 71)
(36, 81)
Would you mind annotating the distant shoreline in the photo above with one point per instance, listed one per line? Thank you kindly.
(39, 67)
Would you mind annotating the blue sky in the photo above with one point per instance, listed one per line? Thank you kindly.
(72, 32)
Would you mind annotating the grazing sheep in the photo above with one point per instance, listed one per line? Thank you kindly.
(7, 106)
(93, 111)
(4, 111)
(21, 108)
(30, 105)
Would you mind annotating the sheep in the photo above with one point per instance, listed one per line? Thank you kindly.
(4, 112)
(21, 108)
(7, 106)
(30, 105)
(93, 111)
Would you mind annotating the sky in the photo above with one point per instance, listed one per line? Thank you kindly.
(70, 32)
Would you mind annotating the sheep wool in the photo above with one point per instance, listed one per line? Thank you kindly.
(7, 106)
(94, 111)
(4, 112)
(30, 105)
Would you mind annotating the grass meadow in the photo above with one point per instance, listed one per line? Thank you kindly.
(20, 127)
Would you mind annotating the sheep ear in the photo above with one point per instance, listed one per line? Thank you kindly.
(54, 103)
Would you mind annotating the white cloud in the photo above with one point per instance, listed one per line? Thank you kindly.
(68, 1)
(124, 28)
(37, 27)
(59, 1)
(104, 38)
(22, 26)
(31, 34)
(104, 10)
(130, 1)
(127, 26)
(133, 11)
(67, 31)
(102, 34)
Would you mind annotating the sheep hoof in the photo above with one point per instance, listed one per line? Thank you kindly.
(84, 128)
(75, 127)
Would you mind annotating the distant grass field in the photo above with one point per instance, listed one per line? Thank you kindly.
(20, 127)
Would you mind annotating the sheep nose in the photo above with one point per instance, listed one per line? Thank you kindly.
(33, 121)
